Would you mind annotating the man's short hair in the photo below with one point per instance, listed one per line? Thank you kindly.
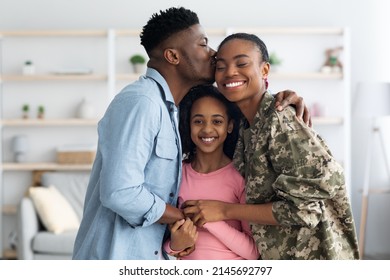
(161, 26)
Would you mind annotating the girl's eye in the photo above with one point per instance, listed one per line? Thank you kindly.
(197, 121)
(242, 64)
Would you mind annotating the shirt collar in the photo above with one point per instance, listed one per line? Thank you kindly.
(155, 75)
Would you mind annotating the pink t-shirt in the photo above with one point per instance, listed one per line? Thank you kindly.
(224, 240)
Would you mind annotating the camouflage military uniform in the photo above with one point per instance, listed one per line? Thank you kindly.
(287, 163)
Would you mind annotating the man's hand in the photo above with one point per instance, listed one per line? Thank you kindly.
(289, 97)
(171, 215)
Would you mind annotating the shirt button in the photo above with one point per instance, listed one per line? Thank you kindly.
(171, 194)
(155, 252)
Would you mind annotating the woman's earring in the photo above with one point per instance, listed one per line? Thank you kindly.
(266, 83)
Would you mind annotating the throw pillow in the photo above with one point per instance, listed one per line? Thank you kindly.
(55, 212)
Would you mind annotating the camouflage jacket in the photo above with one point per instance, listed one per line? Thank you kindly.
(287, 163)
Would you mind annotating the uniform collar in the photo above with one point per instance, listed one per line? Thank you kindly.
(266, 107)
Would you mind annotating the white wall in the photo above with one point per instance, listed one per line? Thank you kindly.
(370, 42)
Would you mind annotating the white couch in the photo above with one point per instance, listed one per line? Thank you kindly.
(34, 241)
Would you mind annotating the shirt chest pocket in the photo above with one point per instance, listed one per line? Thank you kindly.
(166, 148)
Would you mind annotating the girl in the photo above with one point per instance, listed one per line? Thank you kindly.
(296, 196)
(209, 133)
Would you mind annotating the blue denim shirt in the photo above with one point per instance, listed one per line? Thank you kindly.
(136, 171)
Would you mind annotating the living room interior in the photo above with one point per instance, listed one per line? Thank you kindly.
(62, 62)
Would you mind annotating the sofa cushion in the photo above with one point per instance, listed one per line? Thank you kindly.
(53, 209)
(50, 243)
(72, 185)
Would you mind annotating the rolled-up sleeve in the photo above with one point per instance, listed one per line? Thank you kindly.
(126, 140)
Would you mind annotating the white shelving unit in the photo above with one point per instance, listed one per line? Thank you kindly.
(49, 85)
(107, 52)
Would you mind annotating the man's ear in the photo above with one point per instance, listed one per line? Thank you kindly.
(172, 56)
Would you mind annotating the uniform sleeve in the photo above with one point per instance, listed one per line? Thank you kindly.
(309, 174)
(126, 140)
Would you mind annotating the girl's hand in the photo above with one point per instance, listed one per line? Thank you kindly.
(203, 211)
(183, 234)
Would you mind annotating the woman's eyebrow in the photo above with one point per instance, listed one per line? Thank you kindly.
(235, 57)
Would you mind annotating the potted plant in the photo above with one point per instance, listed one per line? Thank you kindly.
(41, 112)
(28, 68)
(138, 61)
(275, 61)
(25, 110)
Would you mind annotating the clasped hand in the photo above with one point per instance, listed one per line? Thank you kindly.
(203, 211)
(197, 212)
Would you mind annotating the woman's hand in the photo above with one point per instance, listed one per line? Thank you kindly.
(183, 234)
(203, 211)
(289, 97)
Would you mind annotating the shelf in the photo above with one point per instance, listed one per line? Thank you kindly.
(209, 31)
(327, 120)
(376, 190)
(128, 77)
(54, 33)
(53, 77)
(32, 166)
(292, 30)
(307, 75)
(262, 30)
(10, 254)
(48, 122)
(9, 210)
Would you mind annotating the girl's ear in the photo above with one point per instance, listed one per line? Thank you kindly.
(172, 56)
(230, 126)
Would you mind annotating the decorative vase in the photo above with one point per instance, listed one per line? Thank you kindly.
(139, 68)
(85, 110)
(20, 147)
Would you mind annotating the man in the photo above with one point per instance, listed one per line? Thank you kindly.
(135, 178)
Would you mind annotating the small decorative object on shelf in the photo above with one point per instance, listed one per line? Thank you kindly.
(41, 112)
(28, 68)
(275, 61)
(85, 110)
(332, 63)
(20, 147)
(138, 61)
(26, 111)
(76, 154)
(317, 110)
